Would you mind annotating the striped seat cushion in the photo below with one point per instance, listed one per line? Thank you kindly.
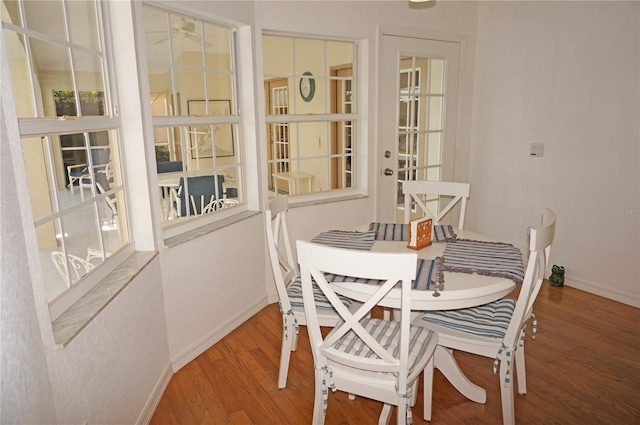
(489, 320)
(387, 333)
(294, 291)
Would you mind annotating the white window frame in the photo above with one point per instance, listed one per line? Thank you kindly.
(51, 126)
(235, 119)
(352, 120)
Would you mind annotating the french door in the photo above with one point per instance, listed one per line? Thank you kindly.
(418, 116)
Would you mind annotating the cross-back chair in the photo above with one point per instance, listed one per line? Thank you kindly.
(497, 329)
(418, 191)
(374, 358)
(287, 280)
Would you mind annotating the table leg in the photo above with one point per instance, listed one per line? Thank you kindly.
(446, 363)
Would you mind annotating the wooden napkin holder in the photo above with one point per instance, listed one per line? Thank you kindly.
(420, 233)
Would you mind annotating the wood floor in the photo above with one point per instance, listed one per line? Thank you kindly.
(583, 367)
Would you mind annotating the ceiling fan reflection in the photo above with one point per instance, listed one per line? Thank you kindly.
(183, 29)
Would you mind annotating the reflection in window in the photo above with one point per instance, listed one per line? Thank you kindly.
(72, 162)
(311, 114)
(192, 91)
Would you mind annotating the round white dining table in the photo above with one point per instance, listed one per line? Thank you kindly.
(461, 290)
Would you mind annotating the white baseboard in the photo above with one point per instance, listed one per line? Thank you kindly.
(154, 399)
(604, 291)
(225, 328)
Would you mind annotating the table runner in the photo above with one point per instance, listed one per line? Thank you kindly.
(428, 272)
(400, 232)
(484, 258)
(344, 239)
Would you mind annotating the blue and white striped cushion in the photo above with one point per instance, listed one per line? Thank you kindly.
(294, 291)
(387, 333)
(489, 320)
(347, 240)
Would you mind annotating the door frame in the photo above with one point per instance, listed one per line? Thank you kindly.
(461, 140)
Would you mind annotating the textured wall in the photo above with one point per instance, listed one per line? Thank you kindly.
(564, 74)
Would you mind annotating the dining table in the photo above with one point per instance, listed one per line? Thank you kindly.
(470, 279)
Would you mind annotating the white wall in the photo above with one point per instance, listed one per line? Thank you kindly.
(564, 74)
(108, 373)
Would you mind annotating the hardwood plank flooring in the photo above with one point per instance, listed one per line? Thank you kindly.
(583, 367)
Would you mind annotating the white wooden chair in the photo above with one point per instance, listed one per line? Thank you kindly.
(374, 358)
(76, 266)
(497, 329)
(287, 279)
(425, 193)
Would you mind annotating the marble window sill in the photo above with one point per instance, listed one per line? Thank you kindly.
(80, 314)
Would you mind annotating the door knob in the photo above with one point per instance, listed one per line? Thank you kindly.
(388, 172)
(387, 154)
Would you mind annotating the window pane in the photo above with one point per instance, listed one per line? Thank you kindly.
(53, 70)
(84, 30)
(46, 17)
(217, 45)
(277, 56)
(309, 56)
(10, 12)
(157, 33)
(20, 75)
(220, 89)
(436, 80)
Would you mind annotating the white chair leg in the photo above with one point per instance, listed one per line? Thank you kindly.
(521, 371)
(414, 392)
(285, 350)
(385, 415)
(294, 337)
(401, 411)
(318, 402)
(428, 390)
(506, 394)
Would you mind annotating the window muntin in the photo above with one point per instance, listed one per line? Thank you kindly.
(70, 138)
(192, 87)
(311, 143)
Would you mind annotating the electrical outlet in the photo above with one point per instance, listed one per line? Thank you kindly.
(537, 149)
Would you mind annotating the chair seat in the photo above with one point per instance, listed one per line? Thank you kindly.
(488, 320)
(387, 333)
(294, 291)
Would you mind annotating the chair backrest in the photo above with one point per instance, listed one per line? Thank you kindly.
(207, 187)
(100, 156)
(168, 166)
(316, 261)
(103, 186)
(421, 191)
(540, 242)
(213, 205)
(76, 265)
(283, 265)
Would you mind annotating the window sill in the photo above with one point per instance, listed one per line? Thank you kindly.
(79, 315)
(208, 228)
(306, 202)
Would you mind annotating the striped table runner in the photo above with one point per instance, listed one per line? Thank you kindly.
(484, 258)
(400, 232)
(426, 274)
(348, 240)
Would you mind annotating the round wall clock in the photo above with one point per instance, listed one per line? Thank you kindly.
(307, 86)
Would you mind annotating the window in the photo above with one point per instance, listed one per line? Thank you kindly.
(311, 114)
(71, 143)
(420, 124)
(192, 90)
